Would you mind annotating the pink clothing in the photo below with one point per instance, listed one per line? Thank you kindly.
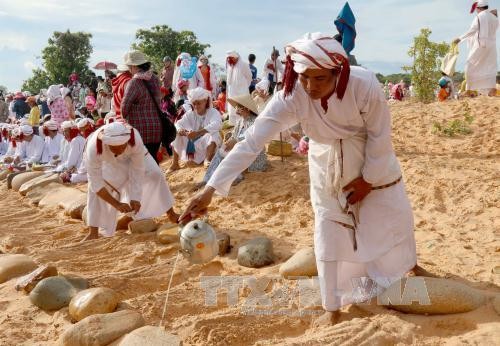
(58, 111)
(90, 103)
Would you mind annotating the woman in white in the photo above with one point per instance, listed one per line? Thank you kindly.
(481, 66)
(363, 218)
(239, 78)
(123, 177)
(198, 131)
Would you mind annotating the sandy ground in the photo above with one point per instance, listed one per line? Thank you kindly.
(453, 184)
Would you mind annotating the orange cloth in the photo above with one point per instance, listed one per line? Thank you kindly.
(220, 104)
(118, 85)
(205, 72)
(443, 94)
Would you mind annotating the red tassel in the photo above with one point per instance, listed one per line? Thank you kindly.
(45, 131)
(345, 72)
(111, 120)
(14, 144)
(73, 133)
(289, 77)
(131, 141)
(21, 136)
(99, 146)
(178, 62)
(473, 8)
(5, 133)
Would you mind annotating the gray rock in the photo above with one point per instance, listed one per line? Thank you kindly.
(303, 263)
(15, 265)
(102, 329)
(150, 336)
(56, 292)
(224, 243)
(256, 253)
(432, 296)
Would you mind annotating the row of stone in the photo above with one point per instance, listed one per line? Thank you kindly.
(92, 308)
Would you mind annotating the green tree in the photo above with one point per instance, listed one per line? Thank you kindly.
(425, 70)
(161, 40)
(3, 90)
(66, 52)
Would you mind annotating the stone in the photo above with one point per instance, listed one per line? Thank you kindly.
(29, 281)
(302, 263)
(123, 221)
(224, 243)
(148, 335)
(93, 301)
(101, 329)
(36, 194)
(431, 296)
(11, 177)
(56, 292)
(74, 208)
(22, 178)
(142, 226)
(38, 182)
(168, 233)
(256, 253)
(496, 304)
(15, 265)
(4, 174)
(60, 197)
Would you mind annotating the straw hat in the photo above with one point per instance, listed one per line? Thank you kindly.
(245, 101)
(134, 58)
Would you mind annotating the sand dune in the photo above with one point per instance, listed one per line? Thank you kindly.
(453, 184)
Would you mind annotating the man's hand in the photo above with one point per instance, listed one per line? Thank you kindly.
(358, 189)
(182, 132)
(135, 205)
(456, 41)
(230, 143)
(198, 205)
(123, 207)
(193, 135)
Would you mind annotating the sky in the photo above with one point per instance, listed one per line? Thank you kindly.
(385, 28)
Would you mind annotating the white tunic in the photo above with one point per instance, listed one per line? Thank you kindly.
(481, 66)
(239, 78)
(4, 146)
(133, 175)
(266, 71)
(362, 121)
(52, 147)
(191, 121)
(73, 154)
(32, 151)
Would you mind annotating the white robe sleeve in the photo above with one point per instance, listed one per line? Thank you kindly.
(94, 167)
(278, 115)
(38, 146)
(137, 168)
(74, 154)
(183, 123)
(214, 121)
(379, 154)
(472, 30)
(21, 151)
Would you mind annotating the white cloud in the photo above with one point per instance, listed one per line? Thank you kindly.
(29, 66)
(13, 41)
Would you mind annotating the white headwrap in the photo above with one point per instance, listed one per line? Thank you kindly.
(51, 125)
(198, 94)
(84, 122)
(232, 54)
(263, 85)
(53, 93)
(68, 124)
(482, 3)
(316, 51)
(24, 121)
(64, 91)
(26, 130)
(115, 134)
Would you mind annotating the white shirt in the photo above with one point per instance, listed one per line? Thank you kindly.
(266, 70)
(75, 153)
(32, 151)
(191, 121)
(52, 147)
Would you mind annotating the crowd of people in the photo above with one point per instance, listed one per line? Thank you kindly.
(111, 134)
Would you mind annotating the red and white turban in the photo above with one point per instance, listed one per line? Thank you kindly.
(316, 51)
(476, 4)
(84, 122)
(50, 125)
(68, 124)
(26, 130)
(197, 94)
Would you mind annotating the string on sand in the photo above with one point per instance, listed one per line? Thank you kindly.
(168, 291)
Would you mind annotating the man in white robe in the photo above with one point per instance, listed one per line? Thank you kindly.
(198, 133)
(239, 78)
(14, 140)
(4, 139)
(273, 69)
(53, 141)
(86, 128)
(481, 66)
(75, 144)
(123, 177)
(363, 218)
(30, 150)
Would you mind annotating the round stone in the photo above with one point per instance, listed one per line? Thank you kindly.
(256, 253)
(149, 335)
(55, 292)
(24, 178)
(15, 265)
(303, 263)
(142, 226)
(168, 234)
(433, 296)
(93, 301)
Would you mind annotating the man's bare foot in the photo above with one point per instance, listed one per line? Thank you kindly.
(93, 234)
(419, 271)
(329, 318)
(173, 217)
(173, 167)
